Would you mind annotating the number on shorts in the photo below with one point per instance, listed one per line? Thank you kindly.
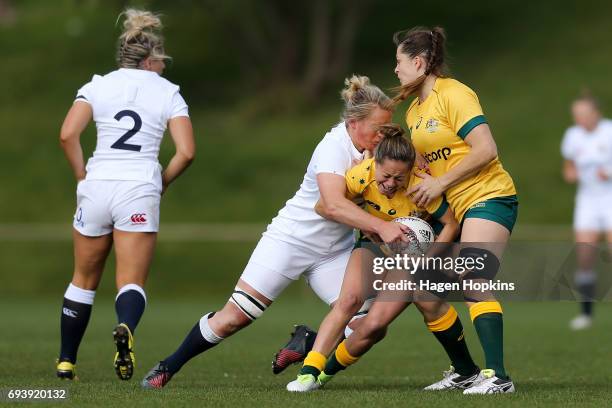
(120, 143)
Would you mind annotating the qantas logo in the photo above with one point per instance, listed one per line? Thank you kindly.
(138, 218)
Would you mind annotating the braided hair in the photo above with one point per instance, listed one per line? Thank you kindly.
(427, 43)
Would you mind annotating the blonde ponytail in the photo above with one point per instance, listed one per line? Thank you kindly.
(141, 38)
(361, 98)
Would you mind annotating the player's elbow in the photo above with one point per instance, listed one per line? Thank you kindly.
(489, 152)
(67, 135)
(331, 210)
(188, 155)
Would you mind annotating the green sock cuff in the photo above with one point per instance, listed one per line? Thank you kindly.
(310, 370)
(333, 366)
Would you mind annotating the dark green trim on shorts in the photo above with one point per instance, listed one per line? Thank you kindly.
(502, 210)
(471, 124)
(441, 210)
(363, 242)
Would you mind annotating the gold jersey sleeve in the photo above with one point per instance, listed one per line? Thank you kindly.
(358, 178)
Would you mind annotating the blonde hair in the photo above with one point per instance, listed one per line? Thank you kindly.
(394, 145)
(141, 38)
(361, 98)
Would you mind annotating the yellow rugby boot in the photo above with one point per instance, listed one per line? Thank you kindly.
(124, 361)
(66, 370)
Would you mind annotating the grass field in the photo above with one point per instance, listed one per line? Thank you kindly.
(550, 365)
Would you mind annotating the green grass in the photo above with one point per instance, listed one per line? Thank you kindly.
(550, 365)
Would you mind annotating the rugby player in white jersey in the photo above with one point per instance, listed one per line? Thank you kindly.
(298, 241)
(587, 150)
(118, 192)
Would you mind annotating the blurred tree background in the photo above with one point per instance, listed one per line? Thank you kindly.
(262, 81)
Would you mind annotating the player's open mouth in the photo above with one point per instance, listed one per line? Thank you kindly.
(387, 190)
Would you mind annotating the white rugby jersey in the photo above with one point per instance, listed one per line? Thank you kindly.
(297, 222)
(590, 151)
(131, 108)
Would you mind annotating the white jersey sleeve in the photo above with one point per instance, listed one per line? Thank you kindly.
(331, 157)
(178, 106)
(86, 92)
(568, 145)
(297, 222)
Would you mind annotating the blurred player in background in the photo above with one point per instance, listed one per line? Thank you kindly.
(118, 192)
(299, 241)
(382, 182)
(587, 154)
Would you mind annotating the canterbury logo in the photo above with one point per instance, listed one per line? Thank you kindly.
(138, 218)
(69, 312)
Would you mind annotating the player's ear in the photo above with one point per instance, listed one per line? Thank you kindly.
(352, 123)
(419, 63)
(146, 63)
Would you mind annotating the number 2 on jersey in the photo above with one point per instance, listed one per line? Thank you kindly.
(120, 143)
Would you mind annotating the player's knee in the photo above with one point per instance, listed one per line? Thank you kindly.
(357, 318)
(348, 304)
(374, 329)
(232, 322)
(483, 264)
(248, 306)
(429, 309)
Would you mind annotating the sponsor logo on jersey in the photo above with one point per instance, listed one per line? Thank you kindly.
(138, 218)
(432, 125)
(373, 204)
(418, 122)
(69, 312)
(443, 153)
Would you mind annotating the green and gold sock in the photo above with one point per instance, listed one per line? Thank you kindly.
(449, 332)
(488, 321)
(339, 360)
(313, 363)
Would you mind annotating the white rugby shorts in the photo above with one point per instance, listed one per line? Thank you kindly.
(593, 213)
(102, 205)
(274, 264)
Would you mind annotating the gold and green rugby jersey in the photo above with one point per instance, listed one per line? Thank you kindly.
(361, 183)
(438, 127)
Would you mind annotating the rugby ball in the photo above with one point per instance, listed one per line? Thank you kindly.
(420, 236)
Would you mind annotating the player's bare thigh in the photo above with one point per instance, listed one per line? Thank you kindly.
(134, 253)
(357, 282)
(90, 254)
